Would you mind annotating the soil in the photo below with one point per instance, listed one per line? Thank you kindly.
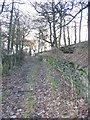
(57, 102)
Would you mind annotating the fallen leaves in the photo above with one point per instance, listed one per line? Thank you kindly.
(30, 94)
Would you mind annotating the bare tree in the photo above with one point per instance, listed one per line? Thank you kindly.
(89, 23)
(75, 33)
(54, 22)
(89, 55)
(10, 27)
(64, 37)
(80, 24)
(59, 8)
(0, 37)
(13, 33)
(60, 27)
(48, 11)
(39, 41)
(2, 7)
(16, 26)
(68, 35)
(17, 34)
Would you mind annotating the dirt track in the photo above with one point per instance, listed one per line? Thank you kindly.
(42, 100)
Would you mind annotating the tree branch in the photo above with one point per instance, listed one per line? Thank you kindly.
(75, 16)
(43, 37)
(2, 7)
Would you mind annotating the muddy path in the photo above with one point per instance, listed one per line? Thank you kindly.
(36, 90)
(13, 92)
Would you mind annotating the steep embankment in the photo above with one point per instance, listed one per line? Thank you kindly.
(79, 56)
(73, 67)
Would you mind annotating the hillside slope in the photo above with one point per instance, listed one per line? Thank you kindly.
(80, 55)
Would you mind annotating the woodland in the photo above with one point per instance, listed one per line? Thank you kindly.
(44, 59)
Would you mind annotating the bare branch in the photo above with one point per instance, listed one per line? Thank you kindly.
(75, 16)
(2, 7)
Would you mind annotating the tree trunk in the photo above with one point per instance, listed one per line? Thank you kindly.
(68, 35)
(60, 32)
(10, 28)
(89, 53)
(0, 75)
(64, 34)
(23, 41)
(80, 26)
(50, 34)
(75, 34)
(13, 35)
(39, 42)
(30, 51)
(17, 41)
(2, 7)
(54, 31)
(0, 38)
(60, 15)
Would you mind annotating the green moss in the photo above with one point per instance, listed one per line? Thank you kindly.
(70, 70)
(40, 58)
(29, 101)
(5, 95)
(53, 82)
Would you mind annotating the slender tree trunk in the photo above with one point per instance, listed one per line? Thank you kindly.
(0, 50)
(68, 35)
(23, 41)
(30, 51)
(2, 7)
(75, 34)
(50, 34)
(16, 48)
(18, 36)
(0, 38)
(54, 31)
(60, 15)
(80, 27)
(10, 28)
(0, 75)
(20, 45)
(89, 54)
(13, 35)
(64, 34)
(60, 31)
(39, 42)
(12, 44)
(17, 43)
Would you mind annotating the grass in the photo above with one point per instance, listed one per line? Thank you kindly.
(33, 76)
(40, 58)
(69, 71)
(5, 94)
(52, 80)
(29, 101)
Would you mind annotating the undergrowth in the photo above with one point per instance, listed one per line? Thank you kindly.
(29, 101)
(73, 74)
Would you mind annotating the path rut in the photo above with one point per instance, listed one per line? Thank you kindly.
(48, 103)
